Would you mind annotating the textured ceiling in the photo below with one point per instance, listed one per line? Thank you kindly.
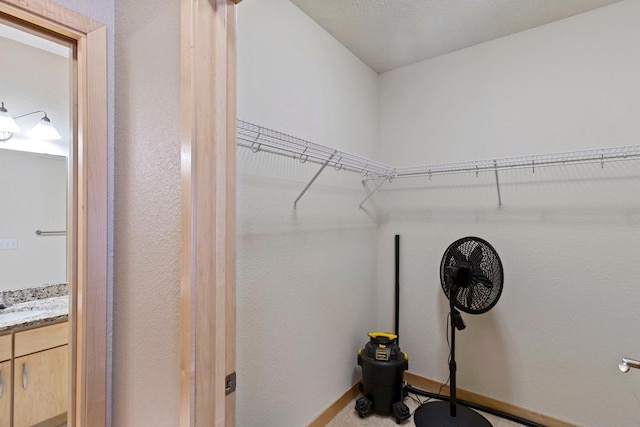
(387, 34)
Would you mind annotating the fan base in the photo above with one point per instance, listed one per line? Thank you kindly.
(438, 414)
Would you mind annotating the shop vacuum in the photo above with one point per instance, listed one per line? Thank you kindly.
(383, 365)
(382, 385)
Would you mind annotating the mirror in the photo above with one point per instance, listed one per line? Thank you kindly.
(33, 169)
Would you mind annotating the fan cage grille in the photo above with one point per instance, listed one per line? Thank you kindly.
(486, 274)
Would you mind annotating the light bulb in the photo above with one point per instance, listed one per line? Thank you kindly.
(44, 130)
(8, 126)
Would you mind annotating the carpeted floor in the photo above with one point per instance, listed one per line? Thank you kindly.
(349, 417)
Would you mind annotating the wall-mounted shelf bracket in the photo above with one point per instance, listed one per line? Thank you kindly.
(324, 165)
(495, 165)
(369, 194)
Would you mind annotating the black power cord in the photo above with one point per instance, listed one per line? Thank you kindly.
(408, 388)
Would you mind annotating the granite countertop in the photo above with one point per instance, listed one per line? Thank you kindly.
(34, 312)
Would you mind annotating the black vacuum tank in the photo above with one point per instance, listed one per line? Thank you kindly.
(383, 366)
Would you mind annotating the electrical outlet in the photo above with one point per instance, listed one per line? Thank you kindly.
(8, 244)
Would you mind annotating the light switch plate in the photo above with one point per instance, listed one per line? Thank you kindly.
(8, 244)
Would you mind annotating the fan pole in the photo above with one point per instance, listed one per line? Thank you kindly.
(453, 292)
(435, 413)
(397, 313)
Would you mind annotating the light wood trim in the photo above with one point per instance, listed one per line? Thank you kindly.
(51, 14)
(186, 131)
(335, 408)
(230, 261)
(433, 386)
(57, 421)
(91, 357)
(87, 231)
(208, 227)
(39, 339)
(5, 347)
(75, 232)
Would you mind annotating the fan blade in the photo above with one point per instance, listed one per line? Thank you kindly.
(476, 256)
(472, 286)
(484, 280)
(458, 256)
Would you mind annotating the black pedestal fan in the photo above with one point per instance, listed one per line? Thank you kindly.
(470, 271)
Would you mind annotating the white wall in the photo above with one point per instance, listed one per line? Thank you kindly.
(144, 207)
(566, 236)
(305, 278)
(146, 351)
(563, 86)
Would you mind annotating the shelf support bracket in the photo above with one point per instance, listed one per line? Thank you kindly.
(369, 194)
(324, 165)
(495, 166)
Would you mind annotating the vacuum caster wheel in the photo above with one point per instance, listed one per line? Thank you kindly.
(363, 406)
(400, 412)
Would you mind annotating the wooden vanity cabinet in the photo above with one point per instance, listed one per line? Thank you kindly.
(40, 376)
(5, 381)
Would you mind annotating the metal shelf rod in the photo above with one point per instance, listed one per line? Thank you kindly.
(51, 233)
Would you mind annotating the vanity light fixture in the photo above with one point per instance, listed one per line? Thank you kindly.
(8, 126)
(43, 130)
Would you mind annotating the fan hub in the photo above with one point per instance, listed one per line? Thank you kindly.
(459, 275)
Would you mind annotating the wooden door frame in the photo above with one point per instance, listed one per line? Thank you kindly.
(207, 280)
(87, 213)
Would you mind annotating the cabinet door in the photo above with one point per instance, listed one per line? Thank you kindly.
(41, 386)
(5, 394)
(5, 348)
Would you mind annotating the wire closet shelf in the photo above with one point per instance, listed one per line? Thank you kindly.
(600, 155)
(261, 139)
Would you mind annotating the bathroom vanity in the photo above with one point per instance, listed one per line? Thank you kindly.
(34, 363)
